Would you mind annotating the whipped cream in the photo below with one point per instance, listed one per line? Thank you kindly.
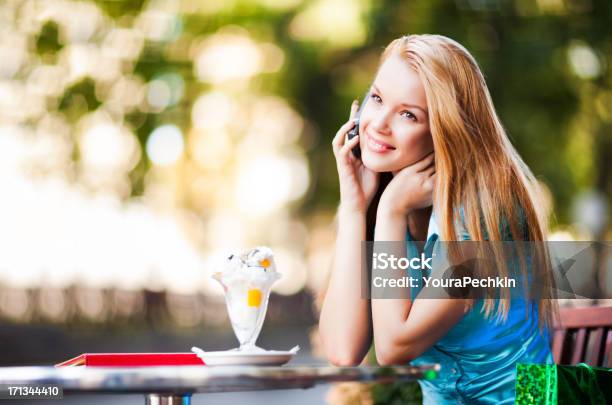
(255, 267)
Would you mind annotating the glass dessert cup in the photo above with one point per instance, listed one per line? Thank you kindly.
(247, 303)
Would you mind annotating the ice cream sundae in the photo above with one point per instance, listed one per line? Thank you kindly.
(247, 280)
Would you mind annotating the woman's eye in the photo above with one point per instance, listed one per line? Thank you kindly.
(409, 115)
(376, 98)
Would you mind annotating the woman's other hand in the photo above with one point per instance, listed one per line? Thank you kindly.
(411, 188)
(358, 184)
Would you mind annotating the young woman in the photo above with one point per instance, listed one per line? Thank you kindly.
(436, 164)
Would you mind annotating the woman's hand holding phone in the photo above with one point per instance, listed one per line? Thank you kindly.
(411, 188)
(358, 184)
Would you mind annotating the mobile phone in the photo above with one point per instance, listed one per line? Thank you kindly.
(353, 132)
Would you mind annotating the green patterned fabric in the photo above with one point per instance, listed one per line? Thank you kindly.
(536, 384)
(552, 384)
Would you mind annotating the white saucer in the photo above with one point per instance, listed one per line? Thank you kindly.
(235, 357)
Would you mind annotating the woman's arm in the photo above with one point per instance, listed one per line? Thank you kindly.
(345, 323)
(403, 329)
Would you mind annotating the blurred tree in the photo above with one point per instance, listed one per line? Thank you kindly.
(121, 8)
(47, 41)
(79, 99)
(547, 65)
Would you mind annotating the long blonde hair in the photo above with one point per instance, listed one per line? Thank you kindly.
(478, 171)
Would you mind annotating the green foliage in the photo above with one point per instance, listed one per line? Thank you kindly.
(79, 99)
(400, 393)
(120, 8)
(397, 394)
(522, 48)
(47, 41)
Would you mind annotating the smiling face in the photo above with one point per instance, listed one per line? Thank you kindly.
(394, 123)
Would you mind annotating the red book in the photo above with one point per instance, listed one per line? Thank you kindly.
(133, 360)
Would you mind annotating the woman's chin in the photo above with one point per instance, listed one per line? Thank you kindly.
(376, 164)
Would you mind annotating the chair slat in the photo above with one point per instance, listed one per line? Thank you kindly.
(608, 351)
(558, 343)
(579, 345)
(595, 352)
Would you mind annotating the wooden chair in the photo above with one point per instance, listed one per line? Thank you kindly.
(584, 335)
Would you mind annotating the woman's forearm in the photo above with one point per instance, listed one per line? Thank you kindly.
(345, 322)
(389, 316)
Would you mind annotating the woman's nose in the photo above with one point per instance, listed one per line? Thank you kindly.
(381, 121)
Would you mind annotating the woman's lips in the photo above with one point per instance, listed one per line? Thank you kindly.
(378, 146)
